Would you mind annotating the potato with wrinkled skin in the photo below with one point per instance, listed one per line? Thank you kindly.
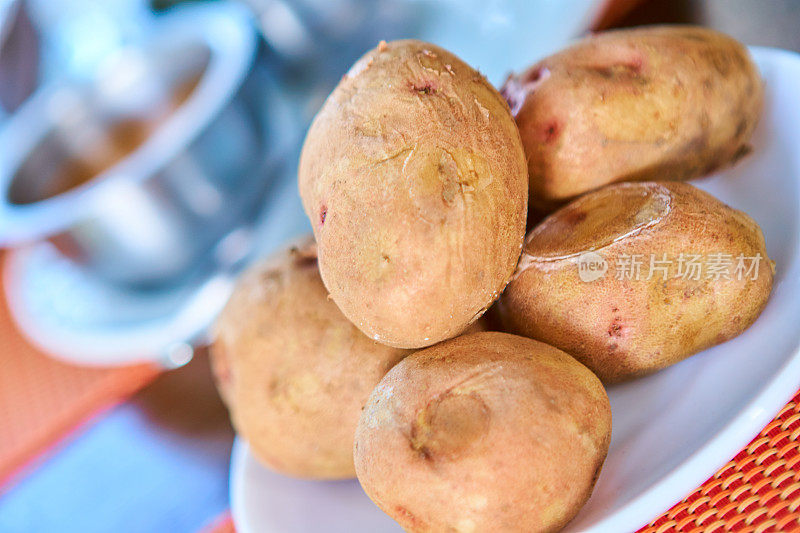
(485, 432)
(414, 178)
(653, 103)
(293, 371)
(628, 321)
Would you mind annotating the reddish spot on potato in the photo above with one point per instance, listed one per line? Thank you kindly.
(406, 518)
(534, 75)
(222, 366)
(615, 329)
(425, 454)
(550, 131)
(634, 66)
(575, 217)
(424, 87)
(323, 213)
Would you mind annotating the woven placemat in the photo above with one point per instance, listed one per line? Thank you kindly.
(222, 524)
(42, 399)
(758, 491)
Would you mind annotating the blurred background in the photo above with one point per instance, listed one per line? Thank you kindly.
(148, 151)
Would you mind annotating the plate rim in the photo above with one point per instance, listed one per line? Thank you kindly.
(706, 460)
(239, 454)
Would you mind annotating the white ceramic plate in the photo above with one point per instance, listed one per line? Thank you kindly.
(672, 430)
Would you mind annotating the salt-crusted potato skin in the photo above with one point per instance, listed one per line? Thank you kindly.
(293, 371)
(484, 432)
(634, 105)
(629, 327)
(414, 177)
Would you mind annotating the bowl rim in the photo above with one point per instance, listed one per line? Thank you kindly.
(230, 37)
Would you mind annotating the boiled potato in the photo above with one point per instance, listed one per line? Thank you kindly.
(668, 102)
(414, 178)
(485, 432)
(638, 276)
(293, 371)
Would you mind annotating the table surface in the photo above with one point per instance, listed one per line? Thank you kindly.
(158, 462)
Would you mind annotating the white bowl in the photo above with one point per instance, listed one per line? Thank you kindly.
(672, 430)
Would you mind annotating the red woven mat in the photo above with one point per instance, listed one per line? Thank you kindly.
(759, 490)
(222, 524)
(42, 399)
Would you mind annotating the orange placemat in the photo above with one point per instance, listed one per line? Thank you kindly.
(758, 491)
(222, 524)
(42, 399)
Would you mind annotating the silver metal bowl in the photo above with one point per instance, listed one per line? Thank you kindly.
(139, 175)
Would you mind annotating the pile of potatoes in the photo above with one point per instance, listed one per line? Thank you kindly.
(362, 351)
